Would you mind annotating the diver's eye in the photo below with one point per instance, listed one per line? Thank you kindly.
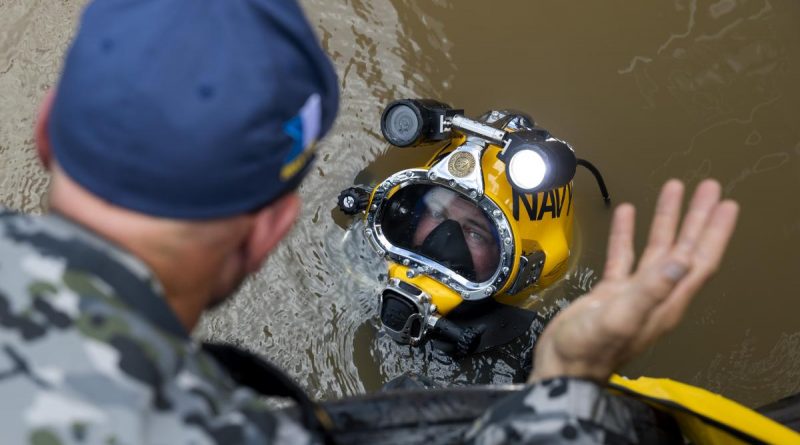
(476, 236)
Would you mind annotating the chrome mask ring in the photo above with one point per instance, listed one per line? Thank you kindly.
(468, 290)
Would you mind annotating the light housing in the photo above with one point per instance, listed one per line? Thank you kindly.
(410, 122)
(536, 162)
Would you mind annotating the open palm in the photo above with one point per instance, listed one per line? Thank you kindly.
(629, 309)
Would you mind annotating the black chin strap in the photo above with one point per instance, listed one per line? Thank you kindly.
(250, 370)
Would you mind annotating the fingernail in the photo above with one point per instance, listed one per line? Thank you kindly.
(675, 271)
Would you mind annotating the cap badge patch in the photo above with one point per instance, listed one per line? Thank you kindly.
(303, 129)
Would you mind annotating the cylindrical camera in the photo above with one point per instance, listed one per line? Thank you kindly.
(409, 122)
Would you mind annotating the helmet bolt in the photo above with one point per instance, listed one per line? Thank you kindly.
(497, 213)
(411, 273)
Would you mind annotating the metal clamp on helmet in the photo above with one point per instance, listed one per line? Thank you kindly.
(530, 269)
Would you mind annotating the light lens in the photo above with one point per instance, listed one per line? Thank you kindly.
(402, 126)
(527, 169)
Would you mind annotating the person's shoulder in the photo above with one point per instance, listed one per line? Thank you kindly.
(11, 221)
(24, 235)
(59, 250)
(79, 364)
(68, 388)
(35, 274)
(64, 334)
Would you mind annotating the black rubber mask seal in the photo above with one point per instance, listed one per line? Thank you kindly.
(447, 246)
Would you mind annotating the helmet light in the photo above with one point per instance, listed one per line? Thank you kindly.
(536, 162)
(526, 169)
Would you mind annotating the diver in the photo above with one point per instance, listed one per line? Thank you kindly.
(472, 233)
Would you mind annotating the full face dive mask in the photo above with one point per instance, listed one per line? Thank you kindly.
(484, 223)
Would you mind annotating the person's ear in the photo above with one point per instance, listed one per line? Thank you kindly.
(40, 135)
(270, 225)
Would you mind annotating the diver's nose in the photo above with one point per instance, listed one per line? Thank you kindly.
(446, 245)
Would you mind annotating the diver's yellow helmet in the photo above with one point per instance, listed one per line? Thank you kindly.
(482, 224)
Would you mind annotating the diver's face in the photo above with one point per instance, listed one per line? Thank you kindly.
(441, 205)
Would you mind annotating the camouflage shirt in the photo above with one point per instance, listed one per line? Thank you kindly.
(563, 411)
(90, 352)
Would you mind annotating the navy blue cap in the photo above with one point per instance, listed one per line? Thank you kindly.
(192, 109)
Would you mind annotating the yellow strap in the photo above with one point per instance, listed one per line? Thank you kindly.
(704, 417)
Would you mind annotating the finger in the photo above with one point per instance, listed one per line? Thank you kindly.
(705, 198)
(715, 237)
(636, 307)
(705, 261)
(641, 296)
(665, 222)
(619, 257)
(652, 286)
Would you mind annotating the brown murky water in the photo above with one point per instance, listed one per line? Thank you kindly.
(680, 89)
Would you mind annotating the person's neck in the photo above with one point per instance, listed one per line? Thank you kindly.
(186, 275)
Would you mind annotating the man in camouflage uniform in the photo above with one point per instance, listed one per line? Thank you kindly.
(92, 353)
(176, 138)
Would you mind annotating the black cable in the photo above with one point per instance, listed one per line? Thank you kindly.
(599, 177)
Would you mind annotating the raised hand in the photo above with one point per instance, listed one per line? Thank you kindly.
(628, 310)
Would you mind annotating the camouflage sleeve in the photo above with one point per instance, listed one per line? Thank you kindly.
(556, 411)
